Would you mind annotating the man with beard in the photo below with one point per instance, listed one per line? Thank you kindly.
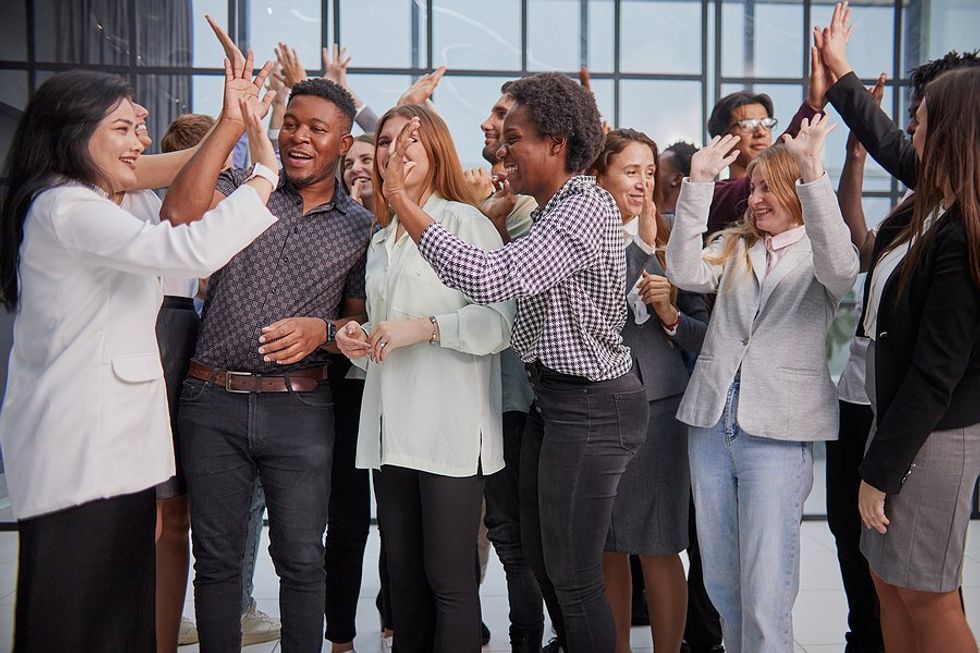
(256, 402)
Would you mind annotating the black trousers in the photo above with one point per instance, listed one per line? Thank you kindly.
(85, 578)
(430, 523)
(703, 627)
(349, 515)
(843, 482)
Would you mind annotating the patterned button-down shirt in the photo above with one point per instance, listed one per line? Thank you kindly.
(568, 275)
(302, 266)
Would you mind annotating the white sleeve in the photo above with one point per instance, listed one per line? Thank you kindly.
(97, 230)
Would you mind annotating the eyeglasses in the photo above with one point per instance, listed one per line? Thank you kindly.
(750, 124)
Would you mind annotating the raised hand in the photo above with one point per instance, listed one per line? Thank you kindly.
(647, 225)
(854, 147)
(479, 182)
(585, 79)
(238, 78)
(394, 183)
(807, 147)
(232, 52)
(335, 65)
(292, 70)
(820, 78)
(708, 162)
(423, 88)
(832, 40)
(500, 205)
(259, 146)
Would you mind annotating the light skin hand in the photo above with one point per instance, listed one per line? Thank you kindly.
(423, 88)
(388, 336)
(290, 340)
(871, 505)
(292, 70)
(655, 291)
(708, 162)
(352, 341)
(259, 145)
(394, 183)
(833, 40)
(647, 222)
(335, 66)
(357, 189)
(807, 147)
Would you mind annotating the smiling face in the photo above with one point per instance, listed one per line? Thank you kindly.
(771, 216)
(358, 163)
(530, 158)
(141, 131)
(115, 146)
(629, 175)
(417, 166)
(313, 136)
(493, 127)
(752, 142)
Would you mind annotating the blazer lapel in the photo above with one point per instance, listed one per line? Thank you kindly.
(757, 254)
(796, 254)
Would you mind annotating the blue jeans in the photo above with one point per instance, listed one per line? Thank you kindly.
(227, 441)
(749, 494)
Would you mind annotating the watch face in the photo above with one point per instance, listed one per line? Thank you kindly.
(331, 331)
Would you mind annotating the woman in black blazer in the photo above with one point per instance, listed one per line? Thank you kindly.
(923, 313)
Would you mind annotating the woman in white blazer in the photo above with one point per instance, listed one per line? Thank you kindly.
(85, 425)
(761, 393)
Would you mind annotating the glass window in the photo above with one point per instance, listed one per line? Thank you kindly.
(378, 34)
(464, 103)
(13, 31)
(294, 22)
(207, 92)
(469, 36)
(165, 97)
(762, 39)
(206, 51)
(380, 92)
(934, 27)
(667, 111)
(876, 209)
(602, 27)
(94, 32)
(663, 36)
(871, 50)
(165, 34)
(545, 20)
(875, 177)
(604, 91)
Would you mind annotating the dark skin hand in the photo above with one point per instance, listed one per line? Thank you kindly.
(290, 340)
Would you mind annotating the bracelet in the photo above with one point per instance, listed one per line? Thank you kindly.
(434, 340)
(671, 329)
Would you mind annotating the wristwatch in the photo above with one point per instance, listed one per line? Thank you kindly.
(263, 172)
(331, 333)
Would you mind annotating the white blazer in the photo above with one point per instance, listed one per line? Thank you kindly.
(771, 327)
(85, 413)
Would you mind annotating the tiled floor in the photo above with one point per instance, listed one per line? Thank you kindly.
(820, 611)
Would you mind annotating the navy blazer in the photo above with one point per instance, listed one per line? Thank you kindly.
(927, 358)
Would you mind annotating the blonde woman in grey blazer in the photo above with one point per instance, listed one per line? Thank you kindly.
(761, 393)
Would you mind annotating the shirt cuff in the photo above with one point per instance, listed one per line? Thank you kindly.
(448, 330)
(642, 244)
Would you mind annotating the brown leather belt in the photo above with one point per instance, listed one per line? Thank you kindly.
(245, 382)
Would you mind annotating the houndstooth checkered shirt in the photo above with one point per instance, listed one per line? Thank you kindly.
(304, 265)
(568, 275)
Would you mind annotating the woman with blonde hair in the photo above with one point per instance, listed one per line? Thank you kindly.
(760, 393)
(431, 416)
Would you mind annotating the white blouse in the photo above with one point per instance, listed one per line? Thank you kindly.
(437, 408)
(85, 412)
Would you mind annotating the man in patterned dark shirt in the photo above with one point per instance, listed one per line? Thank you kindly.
(256, 403)
(568, 274)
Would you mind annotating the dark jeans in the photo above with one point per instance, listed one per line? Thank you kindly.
(703, 627)
(286, 440)
(85, 578)
(578, 439)
(843, 458)
(349, 519)
(430, 524)
(503, 521)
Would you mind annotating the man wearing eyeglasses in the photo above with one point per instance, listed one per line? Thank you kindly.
(750, 117)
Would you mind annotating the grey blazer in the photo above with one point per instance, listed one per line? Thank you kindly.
(657, 355)
(771, 327)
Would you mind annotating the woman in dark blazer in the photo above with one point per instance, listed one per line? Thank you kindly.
(923, 312)
(650, 514)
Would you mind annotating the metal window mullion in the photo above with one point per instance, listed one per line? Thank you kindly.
(617, 27)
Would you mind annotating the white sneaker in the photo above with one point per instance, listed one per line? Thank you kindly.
(387, 643)
(258, 627)
(188, 632)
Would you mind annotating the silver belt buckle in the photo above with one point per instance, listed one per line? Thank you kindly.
(228, 388)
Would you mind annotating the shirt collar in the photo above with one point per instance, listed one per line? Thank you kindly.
(631, 228)
(341, 200)
(573, 186)
(785, 239)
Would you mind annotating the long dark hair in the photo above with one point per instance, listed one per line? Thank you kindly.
(950, 166)
(51, 143)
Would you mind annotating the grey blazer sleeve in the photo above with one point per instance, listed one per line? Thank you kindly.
(686, 267)
(366, 119)
(835, 259)
(694, 322)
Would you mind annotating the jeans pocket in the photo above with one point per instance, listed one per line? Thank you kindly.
(319, 397)
(632, 411)
(193, 389)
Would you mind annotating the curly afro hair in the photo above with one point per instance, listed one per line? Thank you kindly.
(920, 76)
(330, 92)
(560, 107)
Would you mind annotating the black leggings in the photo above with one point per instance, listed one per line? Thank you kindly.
(85, 578)
(430, 523)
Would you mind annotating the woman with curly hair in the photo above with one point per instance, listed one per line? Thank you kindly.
(568, 275)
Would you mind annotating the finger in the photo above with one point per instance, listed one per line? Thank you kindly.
(246, 69)
(436, 76)
(260, 78)
(226, 43)
(293, 354)
(345, 63)
(271, 348)
(849, 32)
(405, 136)
(268, 99)
(229, 75)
